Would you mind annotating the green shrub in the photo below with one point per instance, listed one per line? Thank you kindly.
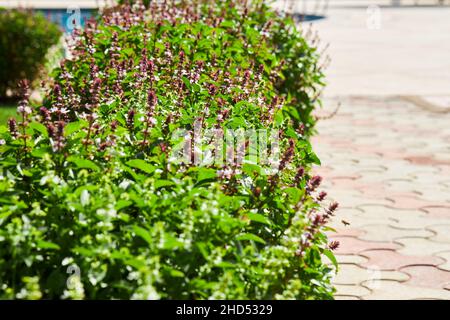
(25, 38)
(95, 201)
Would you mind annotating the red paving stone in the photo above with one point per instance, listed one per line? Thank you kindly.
(392, 260)
(363, 171)
(350, 245)
(424, 276)
(423, 160)
(402, 202)
(437, 212)
(348, 232)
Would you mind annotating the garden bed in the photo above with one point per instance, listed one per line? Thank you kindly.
(139, 175)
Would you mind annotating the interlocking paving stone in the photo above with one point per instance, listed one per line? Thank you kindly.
(438, 212)
(421, 246)
(442, 232)
(435, 193)
(350, 245)
(446, 256)
(356, 220)
(402, 202)
(351, 290)
(385, 158)
(351, 259)
(348, 232)
(402, 185)
(379, 211)
(393, 290)
(382, 232)
(392, 260)
(424, 276)
(352, 274)
(415, 221)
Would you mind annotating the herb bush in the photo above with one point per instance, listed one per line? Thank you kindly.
(94, 204)
(25, 38)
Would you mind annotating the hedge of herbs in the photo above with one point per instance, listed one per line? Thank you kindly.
(95, 205)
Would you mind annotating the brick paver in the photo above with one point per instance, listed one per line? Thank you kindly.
(387, 161)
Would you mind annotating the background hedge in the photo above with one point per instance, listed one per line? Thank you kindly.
(25, 38)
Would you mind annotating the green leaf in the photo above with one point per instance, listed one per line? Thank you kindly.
(73, 127)
(202, 247)
(39, 127)
(83, 251)
(313, 158)
(83, 163)
(123, 204)
(47, 245)
(250, 237)
(39, 153)
(128, 51)
(330, 255)
(227, 24)
(226, 265)
(141, 165)
(250, 169)
(259, 218)
(174, 272)
(144, 234)
(294, 193)
(163, 183)
(206, 174)
(4, 216)
(186, 81)
(170, 242)
(196, 87)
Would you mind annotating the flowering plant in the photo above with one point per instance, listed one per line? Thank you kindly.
(139, 175)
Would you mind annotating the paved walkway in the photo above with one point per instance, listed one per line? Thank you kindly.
(386, 154)
(387, 162)
(392, 51)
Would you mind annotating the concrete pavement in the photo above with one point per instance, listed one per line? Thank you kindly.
(386, 153)
(387, 162)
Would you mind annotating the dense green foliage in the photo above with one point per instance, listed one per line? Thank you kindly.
(95, 203)
(25, 38)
